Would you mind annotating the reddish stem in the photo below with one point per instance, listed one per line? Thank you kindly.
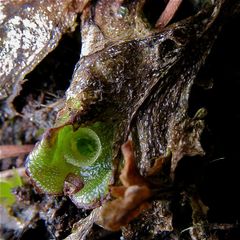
(7, 151)
(168, 13)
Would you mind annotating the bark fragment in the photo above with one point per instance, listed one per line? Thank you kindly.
(27, 35)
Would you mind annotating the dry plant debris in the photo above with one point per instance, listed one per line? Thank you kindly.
(131, 197)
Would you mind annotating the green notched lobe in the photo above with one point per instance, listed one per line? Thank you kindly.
(86, 152)
(7, 198)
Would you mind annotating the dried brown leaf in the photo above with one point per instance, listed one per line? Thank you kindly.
(130, 174)
(121, 211)
(131, 197)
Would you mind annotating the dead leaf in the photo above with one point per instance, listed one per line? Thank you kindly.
(131, 198)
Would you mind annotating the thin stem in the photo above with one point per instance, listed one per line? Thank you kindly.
(168, 13)
(7, 151)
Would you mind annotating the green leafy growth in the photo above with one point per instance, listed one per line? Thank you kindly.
(7, 198)
(86, 152)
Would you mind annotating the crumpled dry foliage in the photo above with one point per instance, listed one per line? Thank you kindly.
(131, 197)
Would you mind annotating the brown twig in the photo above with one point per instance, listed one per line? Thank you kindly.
(7, 151)
(168, 13)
